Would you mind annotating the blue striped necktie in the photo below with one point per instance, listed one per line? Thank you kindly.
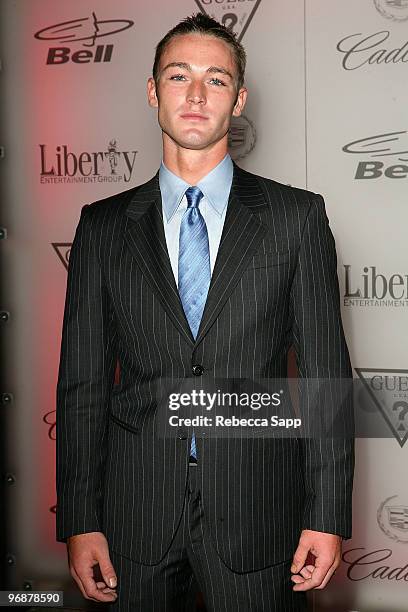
(194, 272)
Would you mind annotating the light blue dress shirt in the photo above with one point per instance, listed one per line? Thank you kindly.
(216, 186)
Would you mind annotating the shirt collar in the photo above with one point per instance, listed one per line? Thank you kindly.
(216, 186)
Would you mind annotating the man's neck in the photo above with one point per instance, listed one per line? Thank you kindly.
(192, 164)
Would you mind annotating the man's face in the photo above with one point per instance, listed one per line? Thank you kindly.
(196, 91)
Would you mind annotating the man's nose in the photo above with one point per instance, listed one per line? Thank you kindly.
(196, 93)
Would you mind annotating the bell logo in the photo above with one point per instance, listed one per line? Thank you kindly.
(380, 156)
(61, 55)
(86, 31)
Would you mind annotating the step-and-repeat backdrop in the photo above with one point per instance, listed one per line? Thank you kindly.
(327, 111)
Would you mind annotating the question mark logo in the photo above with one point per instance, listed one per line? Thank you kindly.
(229, 20)
(403, 412)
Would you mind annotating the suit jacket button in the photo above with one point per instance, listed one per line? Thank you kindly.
(197, 369)
(182, 434)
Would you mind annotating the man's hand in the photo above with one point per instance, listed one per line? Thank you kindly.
(84, 552)
(326, 548)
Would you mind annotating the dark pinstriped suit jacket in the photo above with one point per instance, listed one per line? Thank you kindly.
(274, 285)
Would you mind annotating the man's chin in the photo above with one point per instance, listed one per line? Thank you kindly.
(193, 139)
(193, 144)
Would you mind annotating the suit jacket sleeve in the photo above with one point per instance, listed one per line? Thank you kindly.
(321, 351)
(85, 379)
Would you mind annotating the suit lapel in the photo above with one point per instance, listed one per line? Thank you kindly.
(240, 238)
(147, 242)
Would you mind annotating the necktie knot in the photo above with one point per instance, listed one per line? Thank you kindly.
(193, 195)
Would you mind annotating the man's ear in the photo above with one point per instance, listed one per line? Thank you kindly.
(240, 102)
(152, 97)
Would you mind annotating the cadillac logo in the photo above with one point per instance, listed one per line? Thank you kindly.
(241, 137)
(392, 519)
(397, 10)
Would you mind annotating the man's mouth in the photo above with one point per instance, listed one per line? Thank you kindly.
(194, 117)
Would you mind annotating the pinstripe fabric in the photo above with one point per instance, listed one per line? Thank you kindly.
(191, 565)
(274, 284)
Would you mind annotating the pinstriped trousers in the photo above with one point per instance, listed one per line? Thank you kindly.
(192, 565)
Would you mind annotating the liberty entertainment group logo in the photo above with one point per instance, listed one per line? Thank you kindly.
(86, 30)
(62, 165)
(369, 286)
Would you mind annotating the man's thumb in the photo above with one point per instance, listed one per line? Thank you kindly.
(299, 559)
(108, 574)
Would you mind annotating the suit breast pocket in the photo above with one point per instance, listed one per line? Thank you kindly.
(270, 258)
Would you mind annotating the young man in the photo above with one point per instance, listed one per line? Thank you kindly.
(205, 269)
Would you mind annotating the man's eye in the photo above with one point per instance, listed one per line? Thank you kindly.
(177, 77)
(218, 81)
